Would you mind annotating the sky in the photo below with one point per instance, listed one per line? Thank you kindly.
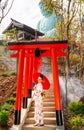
(24, 11)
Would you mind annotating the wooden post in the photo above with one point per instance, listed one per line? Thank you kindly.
(19, 87)
(26, 80)
(30, 76)
(58, 106)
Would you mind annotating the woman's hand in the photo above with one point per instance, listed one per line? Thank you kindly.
(35, 87)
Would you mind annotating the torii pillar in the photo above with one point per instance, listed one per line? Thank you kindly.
(27, 51)
(57, 98)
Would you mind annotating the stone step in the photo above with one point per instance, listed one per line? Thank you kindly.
(49, 96)
(49, 92)
(47, 104)
(48, 100)
(49, 109)
(46, 114)
(45, 127)
(46, 120)
(49, 114)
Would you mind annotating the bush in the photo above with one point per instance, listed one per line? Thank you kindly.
(13, 73)
(14, 93)
(4, 74)
(11, 100)
(4, 117)
(7, 107)
(76, 122)
(76, 108)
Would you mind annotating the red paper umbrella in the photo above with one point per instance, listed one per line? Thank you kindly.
(46, 83)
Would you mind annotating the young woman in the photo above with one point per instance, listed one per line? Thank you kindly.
(38, 90)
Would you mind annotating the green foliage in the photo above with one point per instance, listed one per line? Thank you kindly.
(61, 61)
(14, 94)
(60, 30)
(48, 8)
(74, 57)
(5, 42)
(11, 34)
(11, 100)
(76, 108)
(4, 74)
(4, 117)
(13, 73)
(1, 42)
(7, 107)
(49, 5)
(76, 122)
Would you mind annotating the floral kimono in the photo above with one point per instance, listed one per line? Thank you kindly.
(38, 89)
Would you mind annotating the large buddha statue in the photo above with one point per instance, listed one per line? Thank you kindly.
(48, 22)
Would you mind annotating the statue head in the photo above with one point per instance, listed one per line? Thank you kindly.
(43, 8)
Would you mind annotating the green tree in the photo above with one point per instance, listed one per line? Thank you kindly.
(69, 28)
(11, 35)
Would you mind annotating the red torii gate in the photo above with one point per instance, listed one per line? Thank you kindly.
(26, 53)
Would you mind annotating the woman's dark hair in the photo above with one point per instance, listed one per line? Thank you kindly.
(41, 76)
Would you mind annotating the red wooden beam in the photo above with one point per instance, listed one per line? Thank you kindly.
(44, 53)
(18, 47)
(14, 55)
(40, 45)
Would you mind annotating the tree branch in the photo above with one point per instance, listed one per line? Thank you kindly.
(2, 9)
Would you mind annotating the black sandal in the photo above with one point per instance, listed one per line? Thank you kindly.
(41, 124)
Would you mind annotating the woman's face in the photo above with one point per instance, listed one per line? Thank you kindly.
(40, 80)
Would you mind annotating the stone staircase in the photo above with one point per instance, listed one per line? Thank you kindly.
(49, 114)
